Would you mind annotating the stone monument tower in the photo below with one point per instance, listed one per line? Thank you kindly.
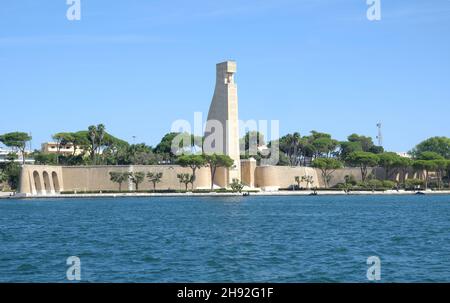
(222, 126)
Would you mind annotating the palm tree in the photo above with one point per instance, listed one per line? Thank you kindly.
(214, 161)
(16, 140)
(154, 178)
(297, 180)
(291, 145)
(194, 162)
(119, 177)
(309, 180)
(185, 179)
(137, 178)
(96, 135)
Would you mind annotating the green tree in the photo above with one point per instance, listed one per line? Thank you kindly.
(11, 172)
(3, 176)
(185, 179)
(441, 167)
(119, 177)
(295, 150)
(347, 147)
(388, 184)
(62, 140)
(292, 146)
(155, 178)
(141, 154)
(250, 143)
(428, 155)
(426, 166)
(96, 135)
(79, 140)
(376, 149)
(283, 159)
(374, 184)
(167, 144)
(137, 178)
(363, 160)
(413, 183)
(366, 143)
(16, 140)
(194, 162)
(309, 180)
(214, 161)
(403, 164)
(11, 157)
(388, 161)
(96, 141)
(298, 180)
(327, 167)
(350, 179)
(236, 186)
(116, 155)
(357, 143)
(3, 179)
(439, 145)
(448, 173)
(135, 154)
(44, 158)
(349, 183)
(324, 146)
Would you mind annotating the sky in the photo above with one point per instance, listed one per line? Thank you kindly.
(138, 65)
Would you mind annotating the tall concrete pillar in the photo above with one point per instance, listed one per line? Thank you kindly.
(222, 126)
(248, 167)
(25, 184)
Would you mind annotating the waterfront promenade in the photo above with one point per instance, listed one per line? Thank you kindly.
(227, 194)
(5, 194)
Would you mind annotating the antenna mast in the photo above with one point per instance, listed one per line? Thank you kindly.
(380, 135)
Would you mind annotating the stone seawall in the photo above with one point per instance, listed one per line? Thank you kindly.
(41, 180)
(273, 177)
(49, 180)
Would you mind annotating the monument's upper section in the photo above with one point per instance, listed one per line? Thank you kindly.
(222, 126)
(225, 72)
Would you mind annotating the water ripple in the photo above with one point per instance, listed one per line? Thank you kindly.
(256, 239)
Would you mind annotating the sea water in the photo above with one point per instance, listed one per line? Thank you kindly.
(226, 239)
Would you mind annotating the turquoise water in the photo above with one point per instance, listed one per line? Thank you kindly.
(234, 239)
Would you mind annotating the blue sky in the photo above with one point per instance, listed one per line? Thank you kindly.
(137, 66)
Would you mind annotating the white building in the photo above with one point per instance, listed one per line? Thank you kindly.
(404, 155)
(4, 152)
